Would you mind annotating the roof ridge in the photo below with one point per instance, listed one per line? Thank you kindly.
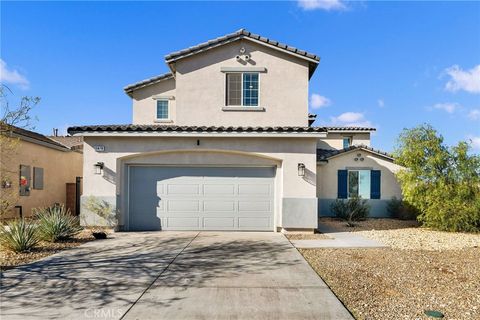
(327, 153)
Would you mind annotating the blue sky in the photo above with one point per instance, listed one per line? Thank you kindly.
(388, 64)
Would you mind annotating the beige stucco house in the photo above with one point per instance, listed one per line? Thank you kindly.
(224, 142)
(37, 171)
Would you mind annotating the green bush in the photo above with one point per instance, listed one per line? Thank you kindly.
(442, 182)
(18, 235)
(353, 209)
(56, 223)
(401, 210)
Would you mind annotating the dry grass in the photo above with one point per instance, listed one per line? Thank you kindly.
(401, 284)
(10, 259)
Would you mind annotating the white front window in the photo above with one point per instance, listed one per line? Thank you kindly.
(242, 89)
(162, 109)
(359, 183)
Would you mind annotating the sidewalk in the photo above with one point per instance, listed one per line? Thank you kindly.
(339, 240)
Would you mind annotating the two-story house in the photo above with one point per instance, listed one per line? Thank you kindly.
(224, 142)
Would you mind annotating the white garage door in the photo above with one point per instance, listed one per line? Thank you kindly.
(200, 198)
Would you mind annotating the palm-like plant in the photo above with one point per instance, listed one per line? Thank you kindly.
(18, 235)
(56, 223)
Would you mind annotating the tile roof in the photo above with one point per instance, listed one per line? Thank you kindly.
(147, 82)
(242, 33)
(325, 154)
(69, 141)
(31, 135)
(350, 129)
(192, 129)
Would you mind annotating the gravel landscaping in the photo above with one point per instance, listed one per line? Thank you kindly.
(422, 270)
(10, 259)
(306, 236)
(423, 239)
(401, 284)
(369, 224)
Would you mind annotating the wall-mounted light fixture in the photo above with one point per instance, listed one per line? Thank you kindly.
(98, 167)
(301, 169)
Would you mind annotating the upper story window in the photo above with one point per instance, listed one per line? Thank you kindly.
(242, 89)
(162, 110)
(347, 142)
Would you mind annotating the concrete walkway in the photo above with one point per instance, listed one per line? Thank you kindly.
(338, 240)
(171, 275)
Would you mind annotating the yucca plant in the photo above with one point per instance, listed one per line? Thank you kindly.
(18, 235)
(56, 223)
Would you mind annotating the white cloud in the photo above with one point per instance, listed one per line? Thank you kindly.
(475, 142)
(326, 5)
(467, 80)
(381, 103)
(317, 101)
(12, 76)
(474, 114)
(351, 119)
(449, 107)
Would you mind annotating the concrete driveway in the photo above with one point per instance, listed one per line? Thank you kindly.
(171, 275)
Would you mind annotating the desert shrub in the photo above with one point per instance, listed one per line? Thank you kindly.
(103, 209)
(401, 209)
(353, 209)
(442, 182)
(18, 235)
(56, 223)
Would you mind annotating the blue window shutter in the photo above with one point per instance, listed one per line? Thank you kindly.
(342, 184)
(375, 184)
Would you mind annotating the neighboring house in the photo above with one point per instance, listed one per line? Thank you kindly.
(38, 171)
(224, 142)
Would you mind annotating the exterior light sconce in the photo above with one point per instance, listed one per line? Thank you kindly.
(301, 169)
(98, 167)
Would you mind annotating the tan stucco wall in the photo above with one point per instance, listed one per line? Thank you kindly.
(327, 179)
(200, 89)
(59, 167)
(335, 140)
(145, 106)
(284, 153)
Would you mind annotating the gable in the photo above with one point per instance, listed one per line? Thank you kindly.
(243, 34)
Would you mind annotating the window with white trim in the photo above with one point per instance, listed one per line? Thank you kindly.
(359, 184)
(162, 109)
(347, 142)
(242, 89)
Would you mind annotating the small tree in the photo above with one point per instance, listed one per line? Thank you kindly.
(442, 183)
(18, 116)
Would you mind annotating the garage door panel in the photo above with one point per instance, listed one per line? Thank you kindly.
(256, 190)
(260, 206)
(183, 189)
(183, 205)
(160, 188)
(219, 223)
(189, 198)
(219, 189)
(228, 206)
(253, 223)
(184, 222)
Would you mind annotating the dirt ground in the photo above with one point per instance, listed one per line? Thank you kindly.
(10, 259)
(421, 270)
